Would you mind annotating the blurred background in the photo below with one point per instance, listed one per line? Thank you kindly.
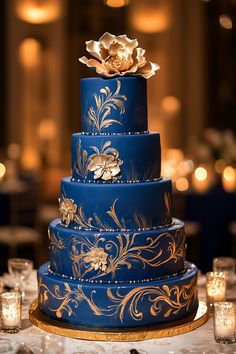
(191, 102)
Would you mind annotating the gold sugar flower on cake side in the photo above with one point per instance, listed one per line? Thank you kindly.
(97, 258)
(104, 166)
(118, 56)
(67, 209)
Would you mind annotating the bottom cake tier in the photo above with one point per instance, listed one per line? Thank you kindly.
(90, 304)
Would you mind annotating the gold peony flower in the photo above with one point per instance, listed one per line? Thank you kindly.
(104, 166)
(97, 257)
(118, 56)
(67, 209)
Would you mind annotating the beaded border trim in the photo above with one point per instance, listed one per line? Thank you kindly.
(117, 281)
(108, 134)
(115, 182)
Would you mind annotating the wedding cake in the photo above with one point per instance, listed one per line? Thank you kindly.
(117, 257)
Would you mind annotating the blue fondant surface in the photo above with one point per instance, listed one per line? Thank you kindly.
(116, 105)
(110, 256)
(122, 206)
(115, 305)
(140, 155)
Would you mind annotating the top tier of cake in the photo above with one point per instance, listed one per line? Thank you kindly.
(106, 108)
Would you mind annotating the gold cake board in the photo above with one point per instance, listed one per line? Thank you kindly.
(119, 335)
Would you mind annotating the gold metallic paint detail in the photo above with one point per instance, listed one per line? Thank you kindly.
(105, 103)
(182, 298)
(167, 200)
(113, 215)
(56, 243)
(170, 329)
(120, 304)
(82, 161)
(126, 254)
(141, 221)
(66, 297)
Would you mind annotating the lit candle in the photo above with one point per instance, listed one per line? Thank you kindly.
(224, 322)
(215, 287)
(11, 311)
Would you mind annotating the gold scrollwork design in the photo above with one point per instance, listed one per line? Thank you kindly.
(176, 298)
(77, 215)
(56, 242)
(108, 257)
(163, 299)
(105, 103)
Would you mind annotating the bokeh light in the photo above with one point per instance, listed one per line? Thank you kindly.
(200, 173)
(182, 184)
(2, 170)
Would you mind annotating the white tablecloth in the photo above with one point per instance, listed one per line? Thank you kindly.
(200, 340)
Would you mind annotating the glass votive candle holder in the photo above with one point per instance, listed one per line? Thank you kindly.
(11, 311)
(224, 322)
(227, 265)
(215, 288)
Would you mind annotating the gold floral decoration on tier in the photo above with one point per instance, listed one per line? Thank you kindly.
(97, 258)
(70, 212)
(67, 209)
(108, 257)
(118, 56)
(105, 164)
(160, 300)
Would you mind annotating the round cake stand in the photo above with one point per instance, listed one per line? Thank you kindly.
(118, 335)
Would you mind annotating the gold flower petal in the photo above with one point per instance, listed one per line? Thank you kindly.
(115, 170)
(106, 39)
(114, 48)
(106, 175)
(93, 47)
(130, 44)
(148, 69)
(93, 63)
(98, 173)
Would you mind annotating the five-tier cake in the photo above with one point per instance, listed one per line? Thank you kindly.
(117, 257)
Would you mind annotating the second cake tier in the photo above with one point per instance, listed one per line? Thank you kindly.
(116, 158)
(116, 207)
(116, 257)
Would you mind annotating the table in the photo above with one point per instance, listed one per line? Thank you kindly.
(198, 341)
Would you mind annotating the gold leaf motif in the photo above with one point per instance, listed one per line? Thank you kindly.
(113, 215)
(99, 117)
(167, 200)
(82, 161)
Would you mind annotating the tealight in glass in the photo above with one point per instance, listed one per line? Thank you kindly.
(11, 311)
(215, 288)
(224, 322)
(227, 265)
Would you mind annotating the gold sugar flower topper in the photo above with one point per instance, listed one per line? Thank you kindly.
(118, 56)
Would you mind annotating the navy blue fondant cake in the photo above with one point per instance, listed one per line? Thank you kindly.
(117, 256)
